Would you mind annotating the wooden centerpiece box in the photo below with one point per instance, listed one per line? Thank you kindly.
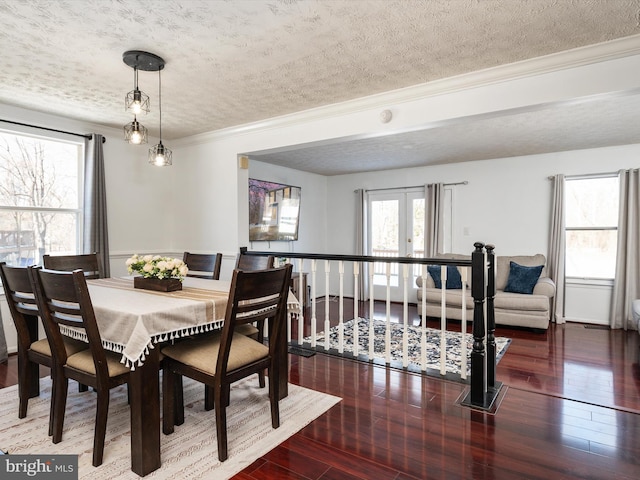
(158, 284)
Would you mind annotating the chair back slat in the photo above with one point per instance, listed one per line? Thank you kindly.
(256, 304)
(203, 265)
(251, 314)
(89, 263)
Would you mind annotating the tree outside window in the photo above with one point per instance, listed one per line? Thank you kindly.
(591, 206)
(40, 197)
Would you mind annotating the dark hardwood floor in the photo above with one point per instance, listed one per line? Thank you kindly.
(570, 409)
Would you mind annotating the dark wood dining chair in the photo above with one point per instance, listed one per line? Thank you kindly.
(89, 263)
(254, 330)
(254, 262)
(224, 358)
(203, 265)
(31, 351)
(63, 299)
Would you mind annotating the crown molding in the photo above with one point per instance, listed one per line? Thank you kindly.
(582, 56)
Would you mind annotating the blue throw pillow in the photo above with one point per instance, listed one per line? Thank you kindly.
(522, 279)
(454, 281)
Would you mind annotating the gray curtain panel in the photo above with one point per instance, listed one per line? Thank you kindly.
(433, 218)
(96, 238)
(626, 287)
(362, 247)
(555, 261)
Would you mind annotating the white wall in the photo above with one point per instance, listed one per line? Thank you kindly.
(507, 202)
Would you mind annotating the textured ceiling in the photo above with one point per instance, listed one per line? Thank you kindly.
(239, 61)
(601, 122)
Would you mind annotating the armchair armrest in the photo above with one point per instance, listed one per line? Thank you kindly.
(429, 284)
(545, 286)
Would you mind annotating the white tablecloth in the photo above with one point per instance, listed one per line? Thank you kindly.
(132, 320)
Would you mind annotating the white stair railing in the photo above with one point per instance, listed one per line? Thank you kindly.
(349, 337)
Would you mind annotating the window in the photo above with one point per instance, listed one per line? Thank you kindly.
(40, 197)
(591, 226)
(396, 229)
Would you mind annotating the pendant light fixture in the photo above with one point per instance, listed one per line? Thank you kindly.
(137, 101)
(160, 155)
(135, 133)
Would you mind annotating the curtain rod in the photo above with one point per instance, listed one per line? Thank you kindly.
(415, 186)
(586, 175)
(84, 135)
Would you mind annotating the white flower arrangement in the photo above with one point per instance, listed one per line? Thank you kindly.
(155, 266)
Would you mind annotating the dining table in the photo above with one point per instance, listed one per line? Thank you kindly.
(135, 322)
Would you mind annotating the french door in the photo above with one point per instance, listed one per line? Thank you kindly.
(396, 229)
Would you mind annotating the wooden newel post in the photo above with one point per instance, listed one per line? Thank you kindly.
(478, 372)
(491, 318)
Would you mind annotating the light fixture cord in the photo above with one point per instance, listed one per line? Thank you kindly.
(160, 100)
(135, 77)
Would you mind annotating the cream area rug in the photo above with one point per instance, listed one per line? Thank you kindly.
(190, 452)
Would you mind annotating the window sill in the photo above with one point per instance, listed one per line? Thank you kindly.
(598, 282)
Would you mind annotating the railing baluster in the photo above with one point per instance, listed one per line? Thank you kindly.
(423, 337)
(405, 316)
(371, 313)
(387, 332)
(443, 320)
(302, 305)
(341, 309)
(327, 304)
(314, 320)
(356, 288)
(463, 326)
(491, 319)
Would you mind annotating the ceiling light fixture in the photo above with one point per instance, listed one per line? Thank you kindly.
(135, 133)
(160, 155)
(138, 102)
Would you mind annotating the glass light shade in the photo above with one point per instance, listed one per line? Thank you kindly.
(135, 133)
(137, 102)
(160, 155)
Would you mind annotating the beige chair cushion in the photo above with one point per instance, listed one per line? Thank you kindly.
(41, 346)
(247, 329)
(72, 346)
(453, 297)
(202, 353)
(520, 302)
(84, 361)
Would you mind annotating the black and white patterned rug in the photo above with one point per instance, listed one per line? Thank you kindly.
(453, 348)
